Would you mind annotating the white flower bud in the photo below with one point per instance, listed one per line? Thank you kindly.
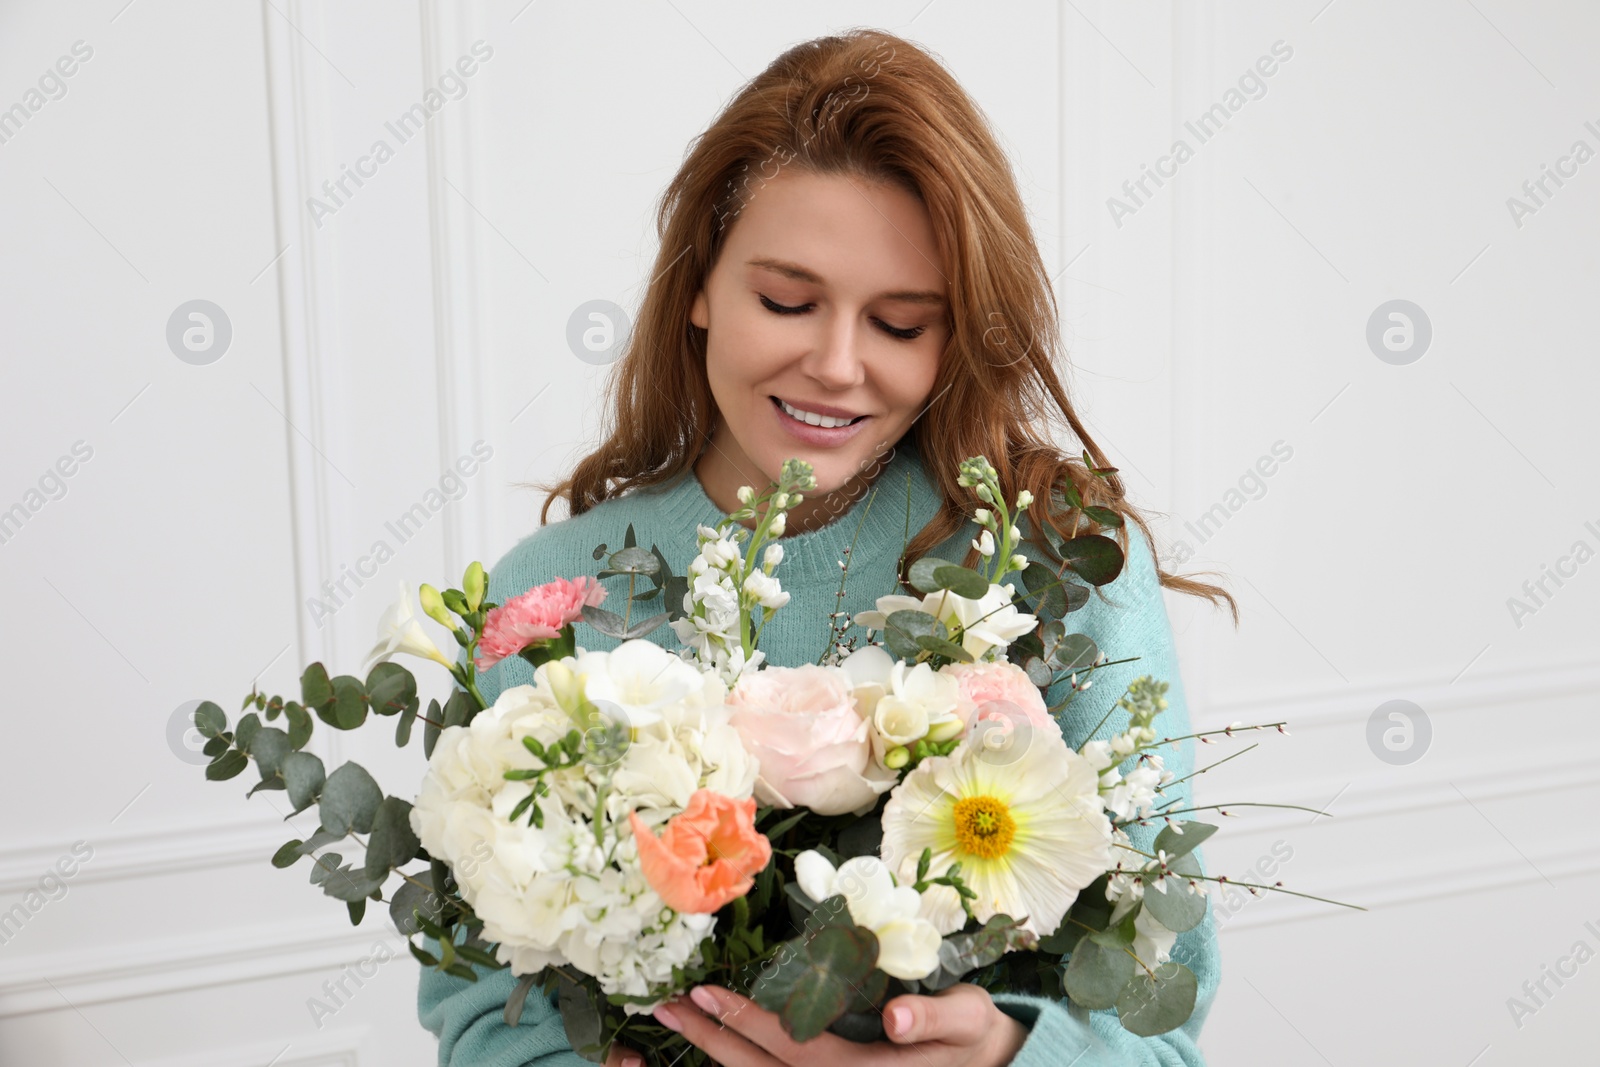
(984, 543)
(1024, 498)
(772, 556)
(746, 494)
(778, 524)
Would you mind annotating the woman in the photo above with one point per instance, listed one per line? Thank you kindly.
(846, 276)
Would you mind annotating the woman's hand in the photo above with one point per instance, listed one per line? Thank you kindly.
(957, 1027)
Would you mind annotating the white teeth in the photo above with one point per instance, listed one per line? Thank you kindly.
(812, 418)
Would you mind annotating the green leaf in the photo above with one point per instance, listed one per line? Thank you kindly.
(519, 995)
(948, 649)
(288, 854)
(392, 843)
(1096, 974)
(923, 578)
(814, 984)
(862, 837)
(299, 725)
(1173, 843)
(315, 689)
(432, 728)
(1177, 909)
(410, 900)
(1074, 652)
(1104, 516)
(962, 581)
(607, 622)
(961, 954)
(227, 765)
(215, 747)
(632, 561)
(1149, 1007)
(902, 629)
(408, 718)
(246, 731)
(639, 629)
(349, 708)
(350, 800)
(209, 719)
(268, 749)
(303, 776)
(580, 1015)
(1095, 558)
(391, 689)
(357, 908)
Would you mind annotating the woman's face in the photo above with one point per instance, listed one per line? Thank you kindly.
(828, 296)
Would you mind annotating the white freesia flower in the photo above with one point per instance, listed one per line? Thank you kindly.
(908, 943)
(984, 543)
(765, 588)
(401, 631)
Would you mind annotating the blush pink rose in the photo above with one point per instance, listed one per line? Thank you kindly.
(802, 726)
(1001, 691)
(537, 615)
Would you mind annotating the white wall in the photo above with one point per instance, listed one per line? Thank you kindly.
(1226, 314)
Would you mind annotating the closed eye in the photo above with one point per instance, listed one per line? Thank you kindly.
(893, 331)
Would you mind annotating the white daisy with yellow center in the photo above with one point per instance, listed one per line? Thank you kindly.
(1018, 809)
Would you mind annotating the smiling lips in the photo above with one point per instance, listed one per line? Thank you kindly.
(821, 415)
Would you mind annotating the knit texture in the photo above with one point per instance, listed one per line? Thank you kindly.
(1130, 621)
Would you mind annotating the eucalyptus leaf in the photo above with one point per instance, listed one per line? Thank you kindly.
(633, 561)
(349, 708)
(941, 647)
(1096, 973)
(962, 581)
(1095, 558)
(303, 776)
(408, 719)
(226, 766)
(1148, 1007)
(1177, 908)
(580, 1015)
(607, 622)
(409, 900)
(268, 749)
(639, 629)
(315, 689)
(299, 725)
(350, 800)
(1074, 652)
(209, 720)
(245, 731)
(519, 996)
(392, 844)
(288, 854)
(1173, 843)
(391, 689)
(811, 981)
(922, 576)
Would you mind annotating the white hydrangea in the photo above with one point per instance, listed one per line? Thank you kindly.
(561, 892)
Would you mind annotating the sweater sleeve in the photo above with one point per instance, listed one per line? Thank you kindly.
(1134, 623)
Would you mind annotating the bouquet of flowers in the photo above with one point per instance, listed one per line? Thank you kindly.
(897, 817)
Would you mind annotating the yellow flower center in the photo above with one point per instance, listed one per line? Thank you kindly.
(984, 827)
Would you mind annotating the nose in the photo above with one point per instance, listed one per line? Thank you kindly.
(833, 361)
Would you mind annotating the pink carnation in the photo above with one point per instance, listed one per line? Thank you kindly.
(1001, 690)
(537, 615)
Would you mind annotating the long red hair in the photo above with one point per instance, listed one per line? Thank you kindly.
(871, 106)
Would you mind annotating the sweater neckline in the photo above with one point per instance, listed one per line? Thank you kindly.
(813, 556)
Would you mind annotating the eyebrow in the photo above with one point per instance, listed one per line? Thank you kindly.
(802, 274)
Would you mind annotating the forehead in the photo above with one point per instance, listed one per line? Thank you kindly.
(835, 230)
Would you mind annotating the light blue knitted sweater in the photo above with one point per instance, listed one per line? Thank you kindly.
(467, 1016)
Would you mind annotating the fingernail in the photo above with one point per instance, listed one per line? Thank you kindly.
(630, 1060)
(704, 1000)
(899, 1020)
(666, 1018)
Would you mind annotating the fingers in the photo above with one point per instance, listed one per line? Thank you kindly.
(729, 1028)
(961, 1015)
(623, 1057)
